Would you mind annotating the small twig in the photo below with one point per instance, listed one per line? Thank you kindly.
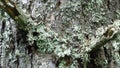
(10, 8)
(102, 42)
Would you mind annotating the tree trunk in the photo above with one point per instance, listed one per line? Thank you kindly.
(61, 15)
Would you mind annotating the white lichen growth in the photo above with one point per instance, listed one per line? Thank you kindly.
(100, 31)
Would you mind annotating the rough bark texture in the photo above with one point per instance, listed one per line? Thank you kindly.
(15, 52)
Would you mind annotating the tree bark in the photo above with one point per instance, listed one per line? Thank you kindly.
(15, 52)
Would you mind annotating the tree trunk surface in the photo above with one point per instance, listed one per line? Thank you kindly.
(15, 52)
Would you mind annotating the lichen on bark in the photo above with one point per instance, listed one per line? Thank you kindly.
(66, 29)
